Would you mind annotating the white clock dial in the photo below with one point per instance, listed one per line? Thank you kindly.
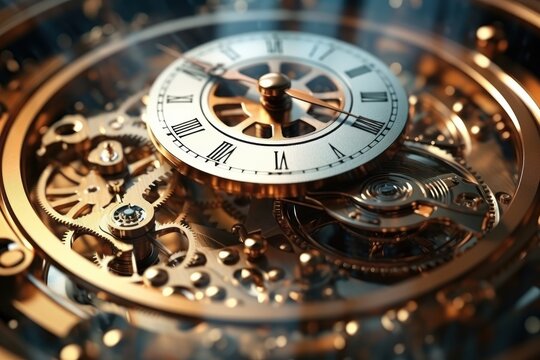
(245, 132)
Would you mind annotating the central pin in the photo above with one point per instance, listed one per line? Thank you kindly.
(273, 87)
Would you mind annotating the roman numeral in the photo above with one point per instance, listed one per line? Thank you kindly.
(369, 125)
(195, 70)
(229, 52)
(361, 70)
(374, 96)
(274, 45)
(315, 50)
(280, 160)
(182, 99)
(338, 153)
(186, 128)
(222, 152)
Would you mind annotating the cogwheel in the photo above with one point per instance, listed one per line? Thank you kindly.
(174, 243)
(186, 243)
(371, 230)
(67, 196)
(62, 145)
(233, 210)
(125, 123)
(144, 184)
(493, 211)
(80, 201)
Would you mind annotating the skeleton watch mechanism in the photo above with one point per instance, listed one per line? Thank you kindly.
(239, 180)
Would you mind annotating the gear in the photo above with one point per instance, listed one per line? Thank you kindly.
(168, 241)
(232, 210)
(399, 224)
(84, 205)
(78, 197)
(124, 123)
(72, 135)
(145, 184)
(66, 195)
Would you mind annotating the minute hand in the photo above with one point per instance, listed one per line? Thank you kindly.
(229, 74)
(304, 96)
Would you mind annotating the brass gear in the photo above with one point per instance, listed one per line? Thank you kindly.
(232, 210)
(101, 253)
(397, 252)
(95, 203)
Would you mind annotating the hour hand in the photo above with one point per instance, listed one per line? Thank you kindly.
(307, 97)
(219, 71)
(216, 70)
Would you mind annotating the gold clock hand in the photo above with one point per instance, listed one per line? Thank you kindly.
(307, 97)
(218, 70)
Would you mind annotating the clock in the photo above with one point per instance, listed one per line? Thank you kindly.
(260, 180)
(263, 135)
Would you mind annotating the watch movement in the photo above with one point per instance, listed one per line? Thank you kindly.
(269, 180)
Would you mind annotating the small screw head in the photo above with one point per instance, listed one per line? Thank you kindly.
(255, 247)
(199, 279)
(504, 198)
(228, 256)
(155, 277)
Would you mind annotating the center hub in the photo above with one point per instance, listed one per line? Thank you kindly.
(272, 87)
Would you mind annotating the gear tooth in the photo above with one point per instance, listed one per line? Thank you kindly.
(182, 219)
(96, 259)
(67, 238)
(191, 236)
(165, 225)
(149, 180)
(167, 195)
(135, 138)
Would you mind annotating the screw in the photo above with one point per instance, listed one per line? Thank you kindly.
(504, 198)
(229, 256)
(200, 279)
(155, 277)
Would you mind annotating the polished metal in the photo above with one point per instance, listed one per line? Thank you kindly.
(131, 226)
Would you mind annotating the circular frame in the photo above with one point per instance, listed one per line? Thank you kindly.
(521, 214)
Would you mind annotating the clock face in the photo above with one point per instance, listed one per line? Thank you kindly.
(223, 127)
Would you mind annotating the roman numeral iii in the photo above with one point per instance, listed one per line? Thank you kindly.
(374, 96)
(181, 99)
(369, 125)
